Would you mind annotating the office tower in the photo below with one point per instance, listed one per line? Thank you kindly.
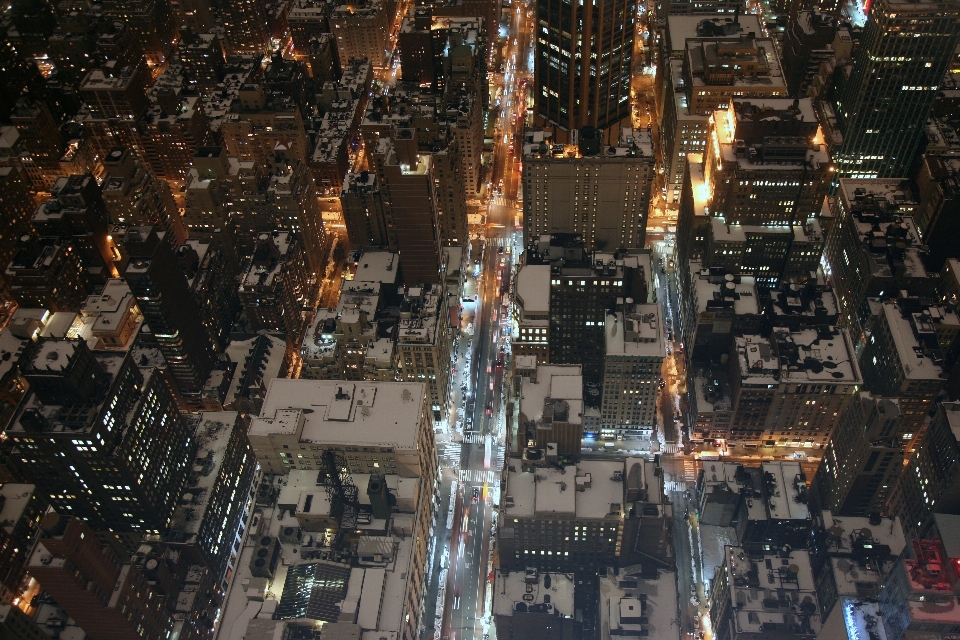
(938, 215)
(220, 192)
(308, 20)
(421, 48)
(770, 253)
(811, 39)
(389, 422)
(202, 57)
(925, 572)
(583, 80)
(903, 356)
(718, 306)
(864, 458)
(790, 388)
(364, 213)
(451, 193)
(17, 207)
(357, 340)
(163, 296)
(691, 89)
(406, 178)
(930, 482)
(171, 131)
(290, 78)
(118, 41)
(107, 596)
(114, 96)
(291, 205)
(423, 346)
(263, 122)
(582, 288)
(77, 211)
(153, 22)
(323, 58)
(245, 25)
(214, 507)
(788, 578)
(635, 350)
(551, 410)
(113, 448)
(464, 114)
(873, 249)
(21, 509)
(40, 137)
(766, 164)
(883, 105)
(566, 517)
(362, 29)
(196, 15)
(597, 191)
(47, 273)
(342, 102)
(212, 281)
(273, 292)
(530, 334)
(113, 316)
(134, 196)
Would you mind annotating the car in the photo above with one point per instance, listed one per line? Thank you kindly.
(489, 408)
(476, 494)
(500, 251)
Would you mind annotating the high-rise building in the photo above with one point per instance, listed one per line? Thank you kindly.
(153, 22)
(565, 517)
(810, 39)
(273, 291)
(582, 64)
(212, 280)
(882, 107)
(245, 24)
(172, 130)
(423, 346)
(863, 459)
(308, 20)
(202, 57)
(263, 122)
(930, 481)
(600, 192)
(40, 138)
(582, 288)
(17, 207)
(104, 441)
(551, 410)
(109, 597)
(46, 273)
(16, 625)
(873, 249)
(215, 502)
(766, 163)
(938, 215)
(163, 296)
(407, 181)
(134, 196)
(362, 29)
(370, 427)
(791, 387)
(923, 573)
(635, 350)
(530, 332)
(114, 96)
(903, 356)
(364, 214)
(21, 509)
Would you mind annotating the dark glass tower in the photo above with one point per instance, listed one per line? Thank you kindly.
(883, 105)
(584, 51)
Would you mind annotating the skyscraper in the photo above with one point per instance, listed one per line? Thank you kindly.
(582, 63)
(164, 298)
(884, 104)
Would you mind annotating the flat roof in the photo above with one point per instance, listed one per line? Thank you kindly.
(622, 603)
(916, 366)
(680, 28)
(824, 355)
(639, 333)
(548, 490)
(715, 289)
(388, 413)
(377, 266)
(529, 588)
(533, 394)
(533, 288)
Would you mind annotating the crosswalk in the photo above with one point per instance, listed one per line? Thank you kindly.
(673, 485)
(474, 438)
(671, 447)
(690, 469)
(477, 476)
(499, 242)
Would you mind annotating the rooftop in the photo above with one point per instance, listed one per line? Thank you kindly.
(633, 143)
(558, 382)
(337, 412)
(523, 591)
(914, 335)
(680, 28)
(533, 288)
(716, 290)
(638, 333)
(591, 490)
(635, 603)
(819, 355)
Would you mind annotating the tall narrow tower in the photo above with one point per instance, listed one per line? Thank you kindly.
(884, 104)
(584, 52)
